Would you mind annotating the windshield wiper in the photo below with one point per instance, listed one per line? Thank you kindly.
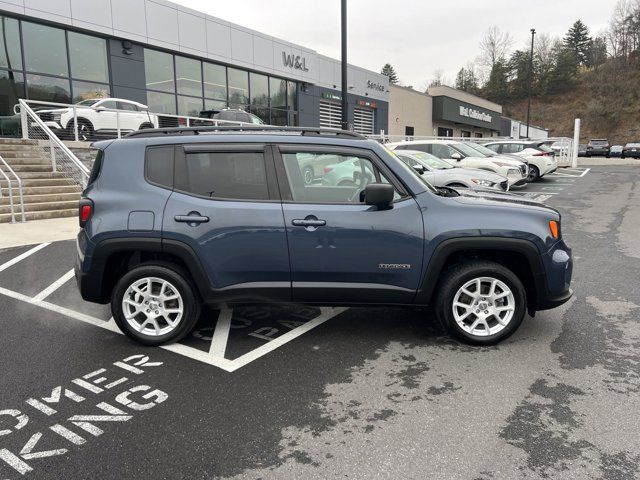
(447, 192)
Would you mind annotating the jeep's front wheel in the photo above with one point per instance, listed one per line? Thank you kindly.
(481, 302)
(154, 304)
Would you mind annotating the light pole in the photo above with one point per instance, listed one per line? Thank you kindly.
(343, 29)
(533, 34)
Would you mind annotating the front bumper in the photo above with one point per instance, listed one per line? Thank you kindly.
(554, 285)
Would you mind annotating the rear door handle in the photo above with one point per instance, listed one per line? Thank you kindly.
(192, 218)
(308, 223)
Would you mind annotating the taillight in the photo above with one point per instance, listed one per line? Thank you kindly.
(541, 154)
(327, 169)
(85, 211)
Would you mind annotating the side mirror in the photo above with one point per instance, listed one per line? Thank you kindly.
(456, 156)
(379, 194)
(420, 169)
(100, 109)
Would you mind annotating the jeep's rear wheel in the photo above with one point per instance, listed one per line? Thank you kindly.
(481, 302)
(154, 304)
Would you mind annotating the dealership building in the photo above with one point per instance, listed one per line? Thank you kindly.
(443, 111)
(177, 61)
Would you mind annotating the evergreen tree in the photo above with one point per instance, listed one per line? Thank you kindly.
(390, 72)
(564, 70)
(497, 88)
(467, 81)
(519, 73)
(578, 42)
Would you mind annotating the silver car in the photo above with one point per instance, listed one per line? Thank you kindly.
(440, 173)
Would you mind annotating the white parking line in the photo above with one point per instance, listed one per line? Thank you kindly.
(54, 286)
(217, 359)
(221, 333)
(26, 254)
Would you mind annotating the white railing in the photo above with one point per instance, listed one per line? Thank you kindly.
(72, 126)
(562, 146)
(10, 190)
(63, 160)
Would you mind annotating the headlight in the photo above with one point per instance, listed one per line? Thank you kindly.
(484, 183)
(57, 117)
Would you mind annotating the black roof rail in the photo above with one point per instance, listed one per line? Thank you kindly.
(159, 132)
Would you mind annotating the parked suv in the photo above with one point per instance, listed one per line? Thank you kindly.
(99, 116)
(170, 221)
(598, 147)
(232, 115)
(541, 157)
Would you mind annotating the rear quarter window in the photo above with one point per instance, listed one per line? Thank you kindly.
(158, 166)
(96, 168)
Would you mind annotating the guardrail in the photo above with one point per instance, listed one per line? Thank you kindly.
(63, 160)
(10, 187)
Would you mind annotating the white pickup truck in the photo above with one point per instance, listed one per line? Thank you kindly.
(99, 116)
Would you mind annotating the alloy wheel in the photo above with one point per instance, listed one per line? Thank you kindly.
(153, 306)
(483, 306)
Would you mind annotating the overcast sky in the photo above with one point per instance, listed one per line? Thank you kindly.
(415, 36)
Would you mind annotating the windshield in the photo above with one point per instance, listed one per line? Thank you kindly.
(88, 103)
(407, 167)
(468, 151)
(429, 160)
(487, 152)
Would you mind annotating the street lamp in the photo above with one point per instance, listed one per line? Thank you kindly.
(533, 34)
(345, 116)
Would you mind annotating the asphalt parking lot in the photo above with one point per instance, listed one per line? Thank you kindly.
(300, 392)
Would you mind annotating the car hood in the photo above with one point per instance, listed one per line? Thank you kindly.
(497, 198)
(472, 173)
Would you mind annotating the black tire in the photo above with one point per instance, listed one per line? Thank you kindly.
(85, 130)
(455, 278)
(534, 174)
(308, 175)
(177, 279)
(145, 126)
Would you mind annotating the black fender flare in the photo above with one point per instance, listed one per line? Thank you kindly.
(446, 248)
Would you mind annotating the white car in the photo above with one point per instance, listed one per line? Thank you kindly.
(460, 154)
(541, 157)
(99, 116)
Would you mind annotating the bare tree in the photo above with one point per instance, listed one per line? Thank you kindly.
(494, 47)
(437, 79)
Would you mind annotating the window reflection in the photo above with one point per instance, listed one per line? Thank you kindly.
(48, 89)
(158, 68)
(259, 85)
(11, 89)
(238, 88)
(88, 57)
(215, 81)
(161, 102)
(86, 90)
(10, 53)
(278, 91)
(188, 76)
(189, 106)
(45, 49)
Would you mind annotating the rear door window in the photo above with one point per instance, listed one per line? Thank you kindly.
(223, 175)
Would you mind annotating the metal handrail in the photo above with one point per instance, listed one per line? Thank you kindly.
(11, 204)
(26, 110)
(188, 119)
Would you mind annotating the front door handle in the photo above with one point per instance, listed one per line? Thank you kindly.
(308, 222)
(193, 219)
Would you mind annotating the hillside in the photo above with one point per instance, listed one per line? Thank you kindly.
(606, 99)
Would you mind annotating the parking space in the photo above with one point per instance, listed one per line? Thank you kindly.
(305, 392)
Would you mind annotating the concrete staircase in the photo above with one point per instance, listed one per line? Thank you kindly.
(46, 194)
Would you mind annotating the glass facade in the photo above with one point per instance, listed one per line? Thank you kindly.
(185, 86)
(42, 62)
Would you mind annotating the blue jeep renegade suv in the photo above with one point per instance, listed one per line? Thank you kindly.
(174, 218)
